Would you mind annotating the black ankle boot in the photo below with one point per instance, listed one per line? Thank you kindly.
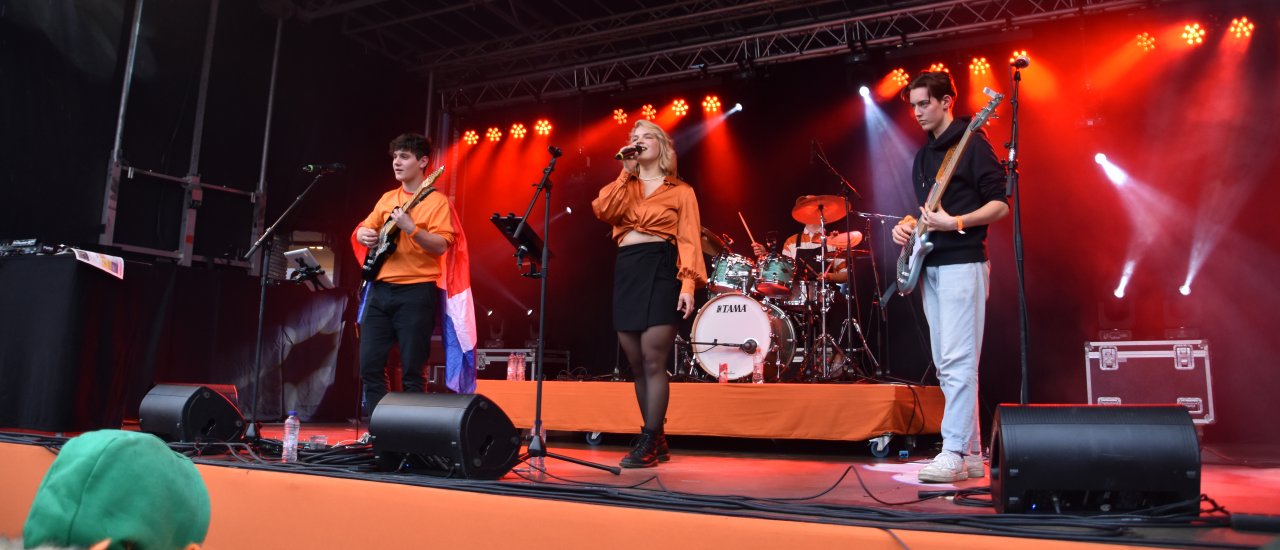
(645, 453)
(660, 447)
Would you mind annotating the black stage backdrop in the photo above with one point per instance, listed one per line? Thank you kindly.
(336, 103)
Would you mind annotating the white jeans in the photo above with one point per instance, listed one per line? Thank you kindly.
(955, 304)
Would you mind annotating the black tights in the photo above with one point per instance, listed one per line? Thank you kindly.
(648, 353)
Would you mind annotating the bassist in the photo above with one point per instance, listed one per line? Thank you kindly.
(402, 300)
(956, 274)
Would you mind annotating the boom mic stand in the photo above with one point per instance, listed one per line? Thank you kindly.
(264, 279)
(537, 447)
(1011, 189)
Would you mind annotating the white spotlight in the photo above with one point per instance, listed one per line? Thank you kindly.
(737, 107)
(865, 92)
(1119, 293)
(1114, 173)
(568, 210)
(1185, 289)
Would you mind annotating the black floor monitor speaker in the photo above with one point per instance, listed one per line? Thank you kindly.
(1093, 459)
(450, 435)
(188, 413)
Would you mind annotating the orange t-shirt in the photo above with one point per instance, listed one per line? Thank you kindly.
(410, 263)
(671, 212)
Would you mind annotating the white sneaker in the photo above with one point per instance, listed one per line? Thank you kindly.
(974, 467)
(947, 467)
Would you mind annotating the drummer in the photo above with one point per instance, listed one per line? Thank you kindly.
(810, 238)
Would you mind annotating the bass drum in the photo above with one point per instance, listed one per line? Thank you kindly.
(733, 319)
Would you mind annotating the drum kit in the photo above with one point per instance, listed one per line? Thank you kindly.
(776, 306)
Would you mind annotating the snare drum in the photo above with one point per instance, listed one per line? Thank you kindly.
(733, 319)
(774, 275)
(731, 273)
(805, 292)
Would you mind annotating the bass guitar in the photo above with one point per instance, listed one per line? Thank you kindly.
(390, 232)
(911, 261)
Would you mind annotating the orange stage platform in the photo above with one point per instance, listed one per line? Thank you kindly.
(840, 412)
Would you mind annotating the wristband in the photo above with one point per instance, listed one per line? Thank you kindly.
(414, 232)
(960, 225)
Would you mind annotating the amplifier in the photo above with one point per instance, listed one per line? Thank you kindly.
(23, 247)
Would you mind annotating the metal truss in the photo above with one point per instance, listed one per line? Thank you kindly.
(557, 77)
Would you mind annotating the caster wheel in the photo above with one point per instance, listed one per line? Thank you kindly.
(595, 438)
(880, 445)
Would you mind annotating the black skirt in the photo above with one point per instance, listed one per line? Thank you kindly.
(645, 288)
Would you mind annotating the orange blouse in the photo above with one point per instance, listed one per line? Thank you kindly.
(671, 212)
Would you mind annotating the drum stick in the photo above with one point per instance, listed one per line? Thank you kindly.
(744, 226)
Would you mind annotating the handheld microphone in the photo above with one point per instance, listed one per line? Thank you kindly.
(1021, 62)
(629, 151)
(324, 168)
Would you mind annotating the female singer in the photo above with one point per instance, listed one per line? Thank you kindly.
(656, 226)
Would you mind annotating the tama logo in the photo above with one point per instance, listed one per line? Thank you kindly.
(731, 308)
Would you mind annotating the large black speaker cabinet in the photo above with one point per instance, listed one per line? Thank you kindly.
(451, 435)
(178, 412)
(1093, 459)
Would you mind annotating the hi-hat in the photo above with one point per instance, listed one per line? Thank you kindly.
(711, 244)
(845, 240)
(808, 207)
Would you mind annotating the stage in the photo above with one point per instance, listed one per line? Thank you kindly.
(683, 503)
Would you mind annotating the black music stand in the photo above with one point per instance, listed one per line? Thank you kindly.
(526, 242)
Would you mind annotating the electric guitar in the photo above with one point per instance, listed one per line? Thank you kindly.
(390, 232)
(911, 261)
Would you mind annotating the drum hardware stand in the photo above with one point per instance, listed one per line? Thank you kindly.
(882, 306)
(537, 447)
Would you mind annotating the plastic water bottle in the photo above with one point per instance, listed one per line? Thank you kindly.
(520, 367)
(724, 374)
(757, 367)
(292, 426)
(511, 366)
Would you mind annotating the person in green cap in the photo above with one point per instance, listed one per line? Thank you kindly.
(119, 490)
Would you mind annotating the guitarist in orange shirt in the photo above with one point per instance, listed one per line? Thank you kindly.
(402, 296)
(956, 274)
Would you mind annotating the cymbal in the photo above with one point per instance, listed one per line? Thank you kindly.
(808, 207)
(711, 244)
(845, 240)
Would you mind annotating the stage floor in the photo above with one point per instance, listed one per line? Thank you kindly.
(331, 512)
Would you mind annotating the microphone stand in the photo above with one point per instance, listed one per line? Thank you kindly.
(1011, 189)
(262, 246)
(537, 447)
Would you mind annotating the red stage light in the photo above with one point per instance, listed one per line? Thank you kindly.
(1242, 27)
(899, 77)
(979, 66)
(1193, 34)
(470, 137)
(648, 112)
(493, 134)
(711, 104)
(518, 131)
(680, 107)
(939, 68)
(1146, 42)
(620, 116)
(1017, 54)
(542, 127)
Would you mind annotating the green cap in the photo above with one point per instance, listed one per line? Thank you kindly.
(125, 486)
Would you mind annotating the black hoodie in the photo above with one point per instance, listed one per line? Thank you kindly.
(978, 179)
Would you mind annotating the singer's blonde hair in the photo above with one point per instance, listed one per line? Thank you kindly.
(666, 150)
